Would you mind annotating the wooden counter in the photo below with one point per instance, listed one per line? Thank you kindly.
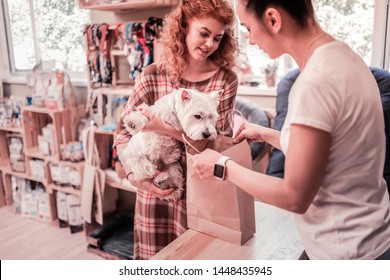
(276, 238)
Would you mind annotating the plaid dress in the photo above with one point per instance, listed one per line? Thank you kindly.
(158, 222)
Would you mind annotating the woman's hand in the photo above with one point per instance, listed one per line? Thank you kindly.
(249, 131)
(155, 123)
(148, 186)
(204, 162)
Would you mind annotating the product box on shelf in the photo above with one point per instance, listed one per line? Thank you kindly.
(16, 152)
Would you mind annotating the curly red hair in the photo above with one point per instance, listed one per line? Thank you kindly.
(174, 49)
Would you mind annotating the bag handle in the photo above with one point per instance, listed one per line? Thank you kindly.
(86, 145)
(186, 142)
(223, 133)
(225, 118)
(91, 153)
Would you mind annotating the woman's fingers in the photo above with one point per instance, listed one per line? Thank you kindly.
(149, 186)
(161, 193)
(239, 135)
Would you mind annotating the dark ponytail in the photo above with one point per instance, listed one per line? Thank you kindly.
(299, 10)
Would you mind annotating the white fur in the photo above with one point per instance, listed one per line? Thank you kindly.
(150, 152)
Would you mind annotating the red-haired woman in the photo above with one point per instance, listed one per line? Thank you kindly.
(198, 51)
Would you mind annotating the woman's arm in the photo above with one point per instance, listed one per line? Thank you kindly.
(305, 166)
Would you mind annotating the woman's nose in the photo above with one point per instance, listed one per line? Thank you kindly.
(250, 39)
(210, 42)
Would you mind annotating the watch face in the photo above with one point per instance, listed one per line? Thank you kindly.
(219, 170)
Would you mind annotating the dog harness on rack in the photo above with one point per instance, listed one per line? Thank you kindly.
(105, 58)
(98, 54)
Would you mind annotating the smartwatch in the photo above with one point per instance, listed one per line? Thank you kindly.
(220, 168)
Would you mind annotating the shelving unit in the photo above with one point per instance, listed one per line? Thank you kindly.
(5, 165)
(64, 122)
(34, 118)
(110, 93)
(127, 5)
(79, 167)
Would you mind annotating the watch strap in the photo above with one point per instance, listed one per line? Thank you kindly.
(222, 160)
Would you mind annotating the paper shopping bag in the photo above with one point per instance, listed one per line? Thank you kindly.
(97, 200)
(105, 198)
(219, 208)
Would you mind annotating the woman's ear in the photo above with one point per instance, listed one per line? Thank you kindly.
(273, 20)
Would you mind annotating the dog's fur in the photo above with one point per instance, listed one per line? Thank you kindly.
(151, 155)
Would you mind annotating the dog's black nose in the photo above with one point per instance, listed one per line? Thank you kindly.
(206, 134)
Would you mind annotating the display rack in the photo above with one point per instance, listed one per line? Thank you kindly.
(34, 118)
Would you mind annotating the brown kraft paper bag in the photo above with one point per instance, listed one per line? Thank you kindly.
(97, 200)
(219, 208)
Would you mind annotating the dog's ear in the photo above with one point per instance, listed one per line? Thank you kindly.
(185, 95)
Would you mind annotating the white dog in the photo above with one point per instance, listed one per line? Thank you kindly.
(151, 155)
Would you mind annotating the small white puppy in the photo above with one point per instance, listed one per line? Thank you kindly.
(152, 155)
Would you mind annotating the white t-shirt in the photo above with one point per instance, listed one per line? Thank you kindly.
(349, 217)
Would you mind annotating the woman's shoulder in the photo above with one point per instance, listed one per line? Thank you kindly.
(152, 73)
(150, 70)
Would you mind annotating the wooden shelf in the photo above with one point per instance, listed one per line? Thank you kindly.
(128, 5)
(42, 110)
(118, 185)
(118, 52)
(9, 171)
(118, 90)
(12, 129)
(104, 132)
(68, 190)
(71, 163)
(35, 152)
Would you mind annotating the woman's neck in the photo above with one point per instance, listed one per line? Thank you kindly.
(199, 71)
(305, 44)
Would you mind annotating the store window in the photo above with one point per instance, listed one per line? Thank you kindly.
(351, 21)
(45, 30)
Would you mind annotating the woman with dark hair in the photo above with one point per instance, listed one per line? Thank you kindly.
(333, 138)
(198, 51)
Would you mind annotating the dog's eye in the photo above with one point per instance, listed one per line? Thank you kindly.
(198, 117)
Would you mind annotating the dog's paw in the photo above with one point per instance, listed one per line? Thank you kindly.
(175, 195)
(164, 185)
(168, 179)
(162, 180)
(129, 124)
(134, 122)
